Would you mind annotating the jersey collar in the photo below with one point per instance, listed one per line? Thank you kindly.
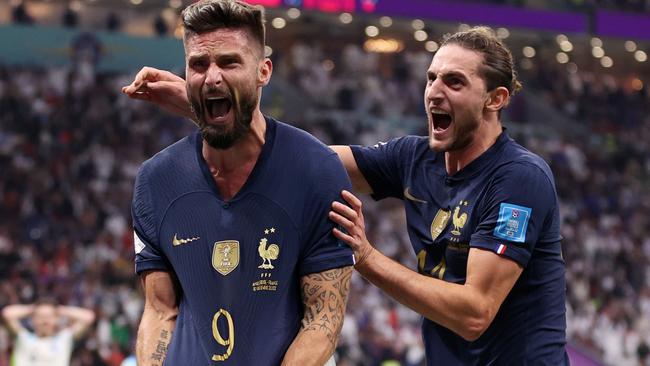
(485, 159)
(269, 140)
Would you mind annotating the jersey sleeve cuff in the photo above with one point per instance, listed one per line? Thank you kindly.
(325, 264)
(362, 164)
(150, 265)
(506, 249)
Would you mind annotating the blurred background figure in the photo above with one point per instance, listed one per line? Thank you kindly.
(54, 328)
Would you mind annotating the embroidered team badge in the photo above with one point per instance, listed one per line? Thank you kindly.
(512, 222)
(459, 221)
(439, 223)
(268, 253)
(225, 256)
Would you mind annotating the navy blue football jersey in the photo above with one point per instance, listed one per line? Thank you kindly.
(239, 262)
(504, 202)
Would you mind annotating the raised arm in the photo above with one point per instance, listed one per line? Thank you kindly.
(163, 88)
(79, 319)
(158, 318)
(324, 297)
(12, 315)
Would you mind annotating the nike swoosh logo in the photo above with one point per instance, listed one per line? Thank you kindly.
(176, 241)
(409, 196)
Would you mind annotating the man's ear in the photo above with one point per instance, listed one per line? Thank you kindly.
(497, 99)
(264, 71)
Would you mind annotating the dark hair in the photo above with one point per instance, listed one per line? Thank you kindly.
(46, 301)
(498, 65)
(209, 15)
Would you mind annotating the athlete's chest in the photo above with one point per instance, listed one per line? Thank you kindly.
(249, 239)
(441, 224)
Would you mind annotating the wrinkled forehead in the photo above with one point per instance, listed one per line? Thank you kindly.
(222, 40)
(453, 58)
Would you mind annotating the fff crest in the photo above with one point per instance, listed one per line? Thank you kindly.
(225, 256)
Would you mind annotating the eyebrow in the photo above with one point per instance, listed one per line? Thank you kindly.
(457, 74)
(200, 55)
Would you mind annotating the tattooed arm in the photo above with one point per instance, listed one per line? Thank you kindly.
(158, 318)
(324, 296)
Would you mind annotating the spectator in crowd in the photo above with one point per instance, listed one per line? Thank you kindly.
(48, 343)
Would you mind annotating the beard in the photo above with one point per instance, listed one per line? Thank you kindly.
(463, 135)
(224, 136)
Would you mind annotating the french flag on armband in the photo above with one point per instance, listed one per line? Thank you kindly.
(501, 249)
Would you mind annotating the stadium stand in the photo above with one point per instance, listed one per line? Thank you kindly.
(70, 146)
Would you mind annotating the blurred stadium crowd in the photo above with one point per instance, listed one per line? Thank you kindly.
(70, 146)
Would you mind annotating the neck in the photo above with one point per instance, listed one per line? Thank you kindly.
(223, 162)
(484, 137)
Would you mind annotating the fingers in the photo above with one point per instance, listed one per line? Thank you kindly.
(344, 237)
(135, 87)
(341, 220)
(344, 210)
(142, 93)
(139, 81)
(351, 199)
(146, 74)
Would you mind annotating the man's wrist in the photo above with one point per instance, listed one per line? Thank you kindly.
(365, 259)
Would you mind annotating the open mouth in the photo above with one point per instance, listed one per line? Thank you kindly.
(217, 107)
(441, 120)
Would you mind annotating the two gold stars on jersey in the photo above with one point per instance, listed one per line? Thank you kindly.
(268, 252)
(225, 254)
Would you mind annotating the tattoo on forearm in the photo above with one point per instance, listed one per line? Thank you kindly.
(324, 295)
(161, 348)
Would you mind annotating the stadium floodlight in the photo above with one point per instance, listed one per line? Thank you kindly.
(562, 57)
(346, 18)
(278, 23)
(596, 42)
(640, 56)
(566, 46)
(380, 45)
(293, 13)
(420, 35)
(417, 24)
(630, 46)
(528, 51)
(268, 51)
(503, 33)
(561, 38)
(385, 21)
(607, 61)
(598, 52)
(431, 46)
(372, 31)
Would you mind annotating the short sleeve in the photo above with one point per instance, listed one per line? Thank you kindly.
(148, 255)
(323, 251)
(519, 203)
(382, 165)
